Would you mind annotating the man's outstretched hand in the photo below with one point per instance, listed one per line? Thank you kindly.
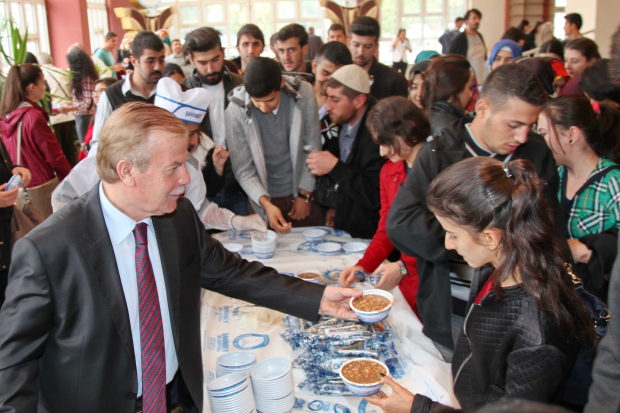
(335, 302)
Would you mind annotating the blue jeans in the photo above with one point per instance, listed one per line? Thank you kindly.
(237, 203)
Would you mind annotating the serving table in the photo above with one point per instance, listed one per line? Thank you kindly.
(229, 325)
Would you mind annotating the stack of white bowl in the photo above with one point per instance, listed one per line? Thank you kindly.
(272, 380)
(235, 363)
(231, 393)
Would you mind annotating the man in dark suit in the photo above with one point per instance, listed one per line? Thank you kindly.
(103, 303)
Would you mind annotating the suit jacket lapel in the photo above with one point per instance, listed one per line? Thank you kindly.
(168, 251)
(100, 256)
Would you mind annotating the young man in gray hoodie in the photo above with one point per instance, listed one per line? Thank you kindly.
(269, 121)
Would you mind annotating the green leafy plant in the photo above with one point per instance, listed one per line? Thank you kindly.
(17, 42)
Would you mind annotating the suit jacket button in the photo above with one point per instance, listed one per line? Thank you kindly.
(131, 396)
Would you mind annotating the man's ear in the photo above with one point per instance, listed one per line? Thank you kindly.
(126, 173)
(314, 66)
(305, 49)
(482, 108)
(359, 101)
(133, 60)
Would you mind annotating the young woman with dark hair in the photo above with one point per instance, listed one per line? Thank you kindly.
(400, 129)
(578, 55)
(586, 146)
(447, 90)
(597, 84)
(40, 150)
(525, 323)
(83, 75)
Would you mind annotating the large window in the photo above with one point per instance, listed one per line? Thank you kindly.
(27, 14)
(228, 16)
(424, 20)
(97, 23)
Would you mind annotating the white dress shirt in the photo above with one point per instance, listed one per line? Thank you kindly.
(216, 113)
(105, 109)
(120, 228)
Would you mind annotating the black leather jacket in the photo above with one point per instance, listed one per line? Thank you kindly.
(443, 114)
(508, 348)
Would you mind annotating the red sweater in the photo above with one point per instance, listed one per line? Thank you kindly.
(392, 175)
(41, 152)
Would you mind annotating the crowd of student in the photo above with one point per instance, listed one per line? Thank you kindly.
(508, 163)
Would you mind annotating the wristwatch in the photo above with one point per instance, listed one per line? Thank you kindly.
(403, 269)
(304, 196)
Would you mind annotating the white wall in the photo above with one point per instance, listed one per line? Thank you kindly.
(602, 16)
(493, 17)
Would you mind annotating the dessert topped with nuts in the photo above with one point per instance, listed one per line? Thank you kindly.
(371, 302)
(363, 371)
(307, 275)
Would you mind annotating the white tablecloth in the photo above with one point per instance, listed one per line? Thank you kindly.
(225, 328)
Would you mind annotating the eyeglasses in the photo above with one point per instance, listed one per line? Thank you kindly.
(99, 91)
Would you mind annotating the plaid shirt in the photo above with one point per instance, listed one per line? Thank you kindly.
(87, 105)
(596, 208)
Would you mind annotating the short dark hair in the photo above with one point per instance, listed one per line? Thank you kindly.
(513, 81)
(110, 35)
(553, 46)
(145, 40)
(475, 11)
(251, 30)
(458, 19)
(175, 40)
(595, 81)
(587, 47)
(366, 26)
(515, 34)
(108, 81)
(394, 117)
(574, 18)
(336, 52)
(262, 76)
(294, 30)
(171, 69)
(273, 39)
(202, 39)
(337, 28)
(346, 90)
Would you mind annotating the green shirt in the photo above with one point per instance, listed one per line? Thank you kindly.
(107, 57)
(595, 208)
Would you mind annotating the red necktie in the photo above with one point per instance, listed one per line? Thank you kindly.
(151, 329)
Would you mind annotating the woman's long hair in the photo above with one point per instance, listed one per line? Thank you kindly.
(479, 193)
(18, 79)
(81, 66)
(444, 79)
(601, 131)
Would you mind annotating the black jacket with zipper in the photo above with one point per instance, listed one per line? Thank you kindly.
(508, 348)
(443, 114)
(358, 201)
(415, 231)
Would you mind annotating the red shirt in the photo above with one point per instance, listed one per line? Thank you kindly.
(40, 150)
(392, 175)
